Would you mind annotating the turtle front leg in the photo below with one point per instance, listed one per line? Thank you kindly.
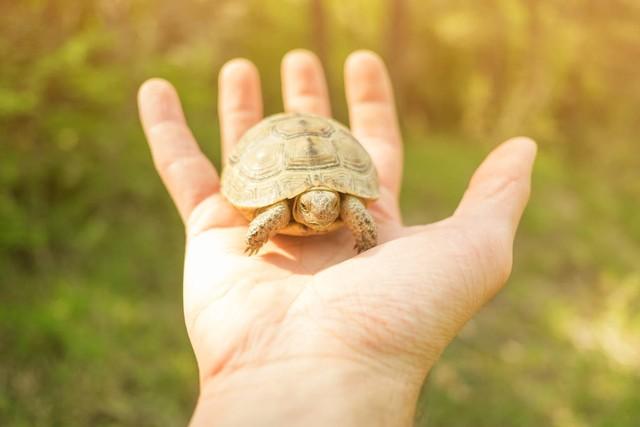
(358, 219)
(266, 224)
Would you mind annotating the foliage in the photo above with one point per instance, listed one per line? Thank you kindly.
(90, 248)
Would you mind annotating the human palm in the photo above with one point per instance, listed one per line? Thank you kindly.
(392, 308)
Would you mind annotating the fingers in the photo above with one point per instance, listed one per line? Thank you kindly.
(185, 171)
(239, 101)
(499, 189)
(373, 117)
(304, 88)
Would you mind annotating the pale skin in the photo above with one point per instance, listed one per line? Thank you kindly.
(316, 209)
(308, 333)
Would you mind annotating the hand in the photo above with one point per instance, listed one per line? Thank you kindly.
(307, 331)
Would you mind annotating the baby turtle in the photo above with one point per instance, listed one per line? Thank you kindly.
(300, 174)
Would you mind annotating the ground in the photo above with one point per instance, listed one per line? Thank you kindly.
(94, 336)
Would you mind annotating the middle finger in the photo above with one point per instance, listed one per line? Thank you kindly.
(304, 88)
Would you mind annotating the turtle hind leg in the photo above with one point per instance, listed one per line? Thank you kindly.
(266, 224)
(359, 220)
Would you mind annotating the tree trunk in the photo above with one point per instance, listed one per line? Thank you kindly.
(317, 18)
(395, 46)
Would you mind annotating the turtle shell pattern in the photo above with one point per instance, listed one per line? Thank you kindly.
(287, 154)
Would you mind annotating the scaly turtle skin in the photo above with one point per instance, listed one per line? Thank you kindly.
(301, 174)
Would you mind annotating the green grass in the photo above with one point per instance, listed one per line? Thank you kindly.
(559, 346)
(94, 335)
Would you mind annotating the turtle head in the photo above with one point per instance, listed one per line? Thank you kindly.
(317, 209)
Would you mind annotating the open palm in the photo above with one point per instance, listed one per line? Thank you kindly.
(394, 307)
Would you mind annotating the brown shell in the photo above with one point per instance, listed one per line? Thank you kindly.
(287, 154)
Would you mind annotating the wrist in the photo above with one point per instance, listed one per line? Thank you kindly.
(307, 392)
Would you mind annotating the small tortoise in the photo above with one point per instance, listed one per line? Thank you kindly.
(300, 175)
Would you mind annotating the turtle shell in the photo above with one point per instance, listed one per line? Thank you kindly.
(287, 154)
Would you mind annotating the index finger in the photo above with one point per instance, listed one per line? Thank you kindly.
(372, 115)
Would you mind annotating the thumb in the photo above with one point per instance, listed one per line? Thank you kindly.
(500, 187)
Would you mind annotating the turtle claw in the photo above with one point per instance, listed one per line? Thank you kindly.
(253, 245)
(251, 250)
(266, 224)
(364, 245)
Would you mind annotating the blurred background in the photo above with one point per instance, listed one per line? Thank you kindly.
(91, 329)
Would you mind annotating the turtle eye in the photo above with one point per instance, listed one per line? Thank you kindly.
(304, 207)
